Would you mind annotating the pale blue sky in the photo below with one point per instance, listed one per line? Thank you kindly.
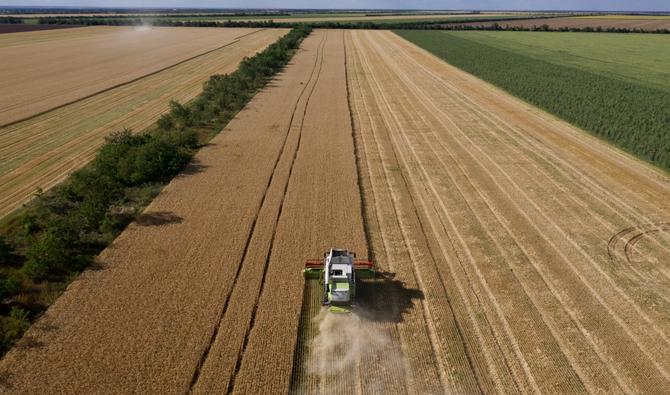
(629, 5)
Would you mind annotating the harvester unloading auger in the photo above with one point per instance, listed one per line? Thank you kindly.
(338, 272)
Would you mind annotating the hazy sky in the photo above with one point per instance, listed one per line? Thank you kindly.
(620, 5)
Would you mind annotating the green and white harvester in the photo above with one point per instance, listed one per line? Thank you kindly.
(338, 272)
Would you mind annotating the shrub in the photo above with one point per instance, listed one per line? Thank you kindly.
(9, 286)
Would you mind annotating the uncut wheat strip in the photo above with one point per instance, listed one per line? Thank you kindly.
(385, 193)
(43, 75)
(141, 322)
(217, 373)
(600, 271)
(653, 361)
(76, 140)
(357, 378)
(489, 363)
(322, 209)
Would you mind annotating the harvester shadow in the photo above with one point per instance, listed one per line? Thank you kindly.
(194, 167)
(385, 299)
(158, 218)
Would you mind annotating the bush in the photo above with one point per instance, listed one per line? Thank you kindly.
(9, 286)
(50, 253)
(13, 326)
(6, 253)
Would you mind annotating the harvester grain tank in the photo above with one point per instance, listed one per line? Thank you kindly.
(338, 272)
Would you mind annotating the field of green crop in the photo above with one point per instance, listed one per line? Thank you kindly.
(636, 58)
(613, 85)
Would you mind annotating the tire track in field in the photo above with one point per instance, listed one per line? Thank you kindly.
(258, 248)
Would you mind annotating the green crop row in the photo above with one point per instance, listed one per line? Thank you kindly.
(60, 232)
(632, 116)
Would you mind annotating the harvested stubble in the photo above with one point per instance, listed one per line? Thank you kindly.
(47, 69)
(509, 215)
(42, 151)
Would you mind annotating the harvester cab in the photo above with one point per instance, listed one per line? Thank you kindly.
(338, 272)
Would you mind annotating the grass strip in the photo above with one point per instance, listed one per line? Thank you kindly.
(52, 239)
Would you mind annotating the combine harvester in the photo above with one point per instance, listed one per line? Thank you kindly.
(338, 272)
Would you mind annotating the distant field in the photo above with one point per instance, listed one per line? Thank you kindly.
(43, 70)
(628, 17)
(20, 27)
(606, 21)
(616, 86)
(635, 58)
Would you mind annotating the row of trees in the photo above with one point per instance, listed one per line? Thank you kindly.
(11, 20)
(60, 232)
(547, 28)
(133, 21)
(369, 25)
